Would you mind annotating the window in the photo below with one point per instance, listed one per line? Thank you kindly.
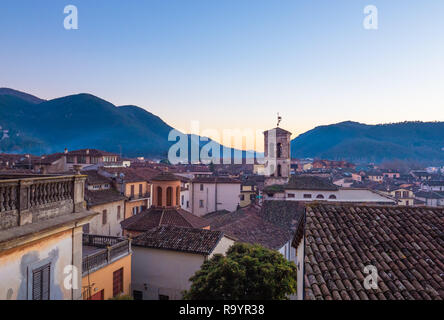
(201, 203)
(242, 197)
(332, 196)
(182, 200)
(137, 295)
(159, 196)
(104, 216)
(307, 196)
(188, 204)
(85, 228)
(169, 196)
(279, 170)
(291, 195)
(201, 187)
(40, 282)
(163, 297)
(118, 212)
(405, 194)
(140, 190)
(117, 282)
(135, 210)
(177, 195)
(319, 196)
(398, 194)
(279, 150)
(132, 191)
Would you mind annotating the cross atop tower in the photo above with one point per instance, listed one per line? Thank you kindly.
(279, 119)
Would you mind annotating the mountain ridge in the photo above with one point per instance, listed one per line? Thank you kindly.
(29, 124)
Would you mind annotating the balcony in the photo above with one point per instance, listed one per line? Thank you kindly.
(136, 197)
(100, 251)
(29, 199)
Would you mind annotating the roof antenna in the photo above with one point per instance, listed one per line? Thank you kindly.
(279, 119)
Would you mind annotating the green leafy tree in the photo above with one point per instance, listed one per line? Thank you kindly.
(247, 272)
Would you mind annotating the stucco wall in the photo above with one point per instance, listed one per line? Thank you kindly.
(222, 247)
(227, 197)
(102, 279)
(15, 264)
(112, 226)
(164, 272)
(347, 195)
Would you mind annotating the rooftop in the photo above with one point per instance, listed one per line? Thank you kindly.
(154, 217)
(191, 240)
(405, 244)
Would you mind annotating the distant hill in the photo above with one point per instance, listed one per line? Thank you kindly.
(353, 141)
(22, 95)
(79, 121)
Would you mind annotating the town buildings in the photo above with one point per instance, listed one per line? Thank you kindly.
(165, 258)
(41, 220)
(209, 194)
(106, 267)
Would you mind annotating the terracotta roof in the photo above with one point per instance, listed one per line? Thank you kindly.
(154, 217)
(93, 177)
(91, 152)
(94, 198)
(166, 176)
(190, 240)
(405, 244)
(214, 179)
(271, 225)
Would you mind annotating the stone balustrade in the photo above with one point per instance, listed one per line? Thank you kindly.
(28, 199)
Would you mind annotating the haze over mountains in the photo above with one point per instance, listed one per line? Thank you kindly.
(32, 125)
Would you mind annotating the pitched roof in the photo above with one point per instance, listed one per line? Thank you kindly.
(279, 130)
(405, 244)
(91, 152)
(215, 179)
(94, 198)
(190, 240)
(93, 177)
(270, 225)
(165, 176)
(154, 217)
(304, 182)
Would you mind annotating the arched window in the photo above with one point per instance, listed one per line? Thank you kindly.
(332, 196)
(169, 196)
(319, 196)
(177, 195)
(279, 150)
(279, 171)
(159, 196)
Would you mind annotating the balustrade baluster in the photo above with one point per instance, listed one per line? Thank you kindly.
(2, 198)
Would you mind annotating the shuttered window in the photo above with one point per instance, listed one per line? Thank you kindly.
(117, 282)
(40, 282)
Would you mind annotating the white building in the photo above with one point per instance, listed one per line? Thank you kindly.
(165, 258)
(210, 194)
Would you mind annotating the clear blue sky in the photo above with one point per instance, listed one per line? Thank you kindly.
(234, 63)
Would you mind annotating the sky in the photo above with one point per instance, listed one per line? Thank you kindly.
(233, 63)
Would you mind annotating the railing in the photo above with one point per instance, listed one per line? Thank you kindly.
(25, 198)
(139, 196)
(114, 248)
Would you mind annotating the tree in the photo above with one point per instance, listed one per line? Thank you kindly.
(247, 272)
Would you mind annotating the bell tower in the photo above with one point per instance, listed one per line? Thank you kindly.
(277, 155)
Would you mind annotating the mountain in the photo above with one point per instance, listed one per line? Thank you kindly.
(357, 142)
(22, 95)
(32, 125)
